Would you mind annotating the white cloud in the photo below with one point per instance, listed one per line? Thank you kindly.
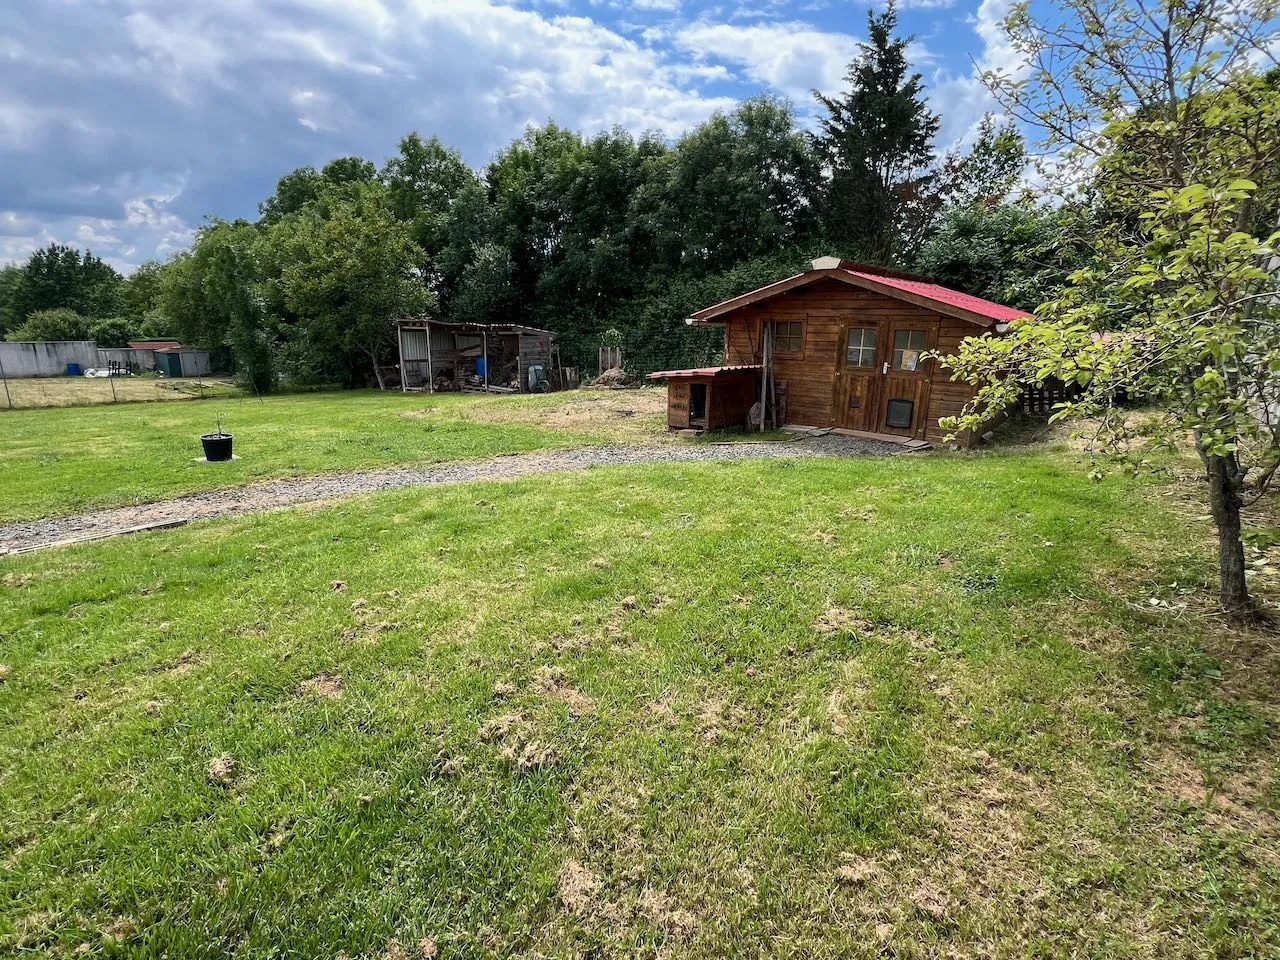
(794, 58)
(190, 109)
(961, 98)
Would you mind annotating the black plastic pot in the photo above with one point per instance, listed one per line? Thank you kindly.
(217, 446)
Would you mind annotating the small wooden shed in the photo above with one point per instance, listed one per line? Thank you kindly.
(475, 357)
(846, 345)
(709, 398)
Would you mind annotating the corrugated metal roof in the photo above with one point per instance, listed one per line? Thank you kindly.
(421, 323)
(703, 372)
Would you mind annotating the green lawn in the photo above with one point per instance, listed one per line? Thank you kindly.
(58, 461)
(916, 707)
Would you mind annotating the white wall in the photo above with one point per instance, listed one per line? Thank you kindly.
(143, 360)
(46, 358)
(195, 363)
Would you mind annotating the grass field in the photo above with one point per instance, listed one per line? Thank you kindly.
(60, 461)
(916, 707)
(30, 392)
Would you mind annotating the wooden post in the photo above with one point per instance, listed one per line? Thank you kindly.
(404, 374)
(484, 352)
(8, 399)
(431, 372)
(766, 340)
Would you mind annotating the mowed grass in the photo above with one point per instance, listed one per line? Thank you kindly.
(914, 707)
(60, 461)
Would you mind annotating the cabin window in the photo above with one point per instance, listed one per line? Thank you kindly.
(907, 347)
(860, 351)
(788, 336)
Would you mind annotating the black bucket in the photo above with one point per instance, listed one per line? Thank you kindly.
(217, 446)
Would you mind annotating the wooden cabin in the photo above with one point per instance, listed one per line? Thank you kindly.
(842, 345)
(475, 357)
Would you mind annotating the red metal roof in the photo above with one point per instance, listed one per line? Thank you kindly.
(891, 283)
(936, 291)
(703, 372)
(154, 344)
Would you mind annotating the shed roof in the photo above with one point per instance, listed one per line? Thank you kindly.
(894, 283)
(421, 323)
(704, 372)
(154, 344)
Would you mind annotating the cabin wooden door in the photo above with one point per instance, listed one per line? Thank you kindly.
(904, 387)
(855, 404)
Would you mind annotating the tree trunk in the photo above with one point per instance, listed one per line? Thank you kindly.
(377, 371)
(1225, 482)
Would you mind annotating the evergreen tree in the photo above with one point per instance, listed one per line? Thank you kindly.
(877, 138)
(58, 276)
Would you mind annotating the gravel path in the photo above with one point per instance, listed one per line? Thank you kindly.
(36, 534)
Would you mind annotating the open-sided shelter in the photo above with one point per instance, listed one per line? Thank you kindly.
(477, 357)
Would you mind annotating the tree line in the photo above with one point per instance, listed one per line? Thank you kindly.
(612, 235)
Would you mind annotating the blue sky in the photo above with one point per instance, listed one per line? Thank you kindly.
(123, 122)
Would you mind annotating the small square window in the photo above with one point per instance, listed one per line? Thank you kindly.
(907, 347)
(788, 336)
(860, 350)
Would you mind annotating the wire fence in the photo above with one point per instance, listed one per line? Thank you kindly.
(18, 393)
(641, 355)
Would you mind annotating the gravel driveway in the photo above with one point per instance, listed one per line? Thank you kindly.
(36, 534)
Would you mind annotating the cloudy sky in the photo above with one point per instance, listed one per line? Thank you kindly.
(124, 122)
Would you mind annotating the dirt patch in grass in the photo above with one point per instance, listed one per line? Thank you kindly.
(585, 894)
(627, 416)
(221, 770)
(578, 889)
(327, 686)
(515, 737)
(836, 620)
(551, 682)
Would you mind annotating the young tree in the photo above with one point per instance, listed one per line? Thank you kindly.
(877, 140)
(484, 291)
(11, 276)
(346, 269)
(989, 172)
(140, 291)
(113, 331)
(212, 296)
(424, 179)
(293, 192)
(1178, 309)
(56, 324)
(743, 184)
